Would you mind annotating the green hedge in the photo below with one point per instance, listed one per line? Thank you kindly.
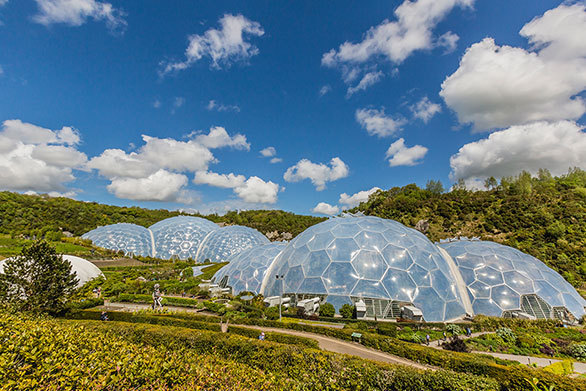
(509, 374)
(313, 369)
(167, 300)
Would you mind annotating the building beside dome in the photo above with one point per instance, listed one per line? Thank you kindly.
(180, 237)
(246, 270)
(503, 281)
(84, 269)
(381, 262)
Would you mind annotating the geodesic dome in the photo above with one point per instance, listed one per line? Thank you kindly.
(180, 236)
(359, 257)
(247, 269)
(222, 243)
(130, 238)
(84, 269)
(502, 280)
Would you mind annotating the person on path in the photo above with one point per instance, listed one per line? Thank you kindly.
(468, 331)
(427, 339)
(104, 316)
(445, 336)
(261, 337)
(157, 297)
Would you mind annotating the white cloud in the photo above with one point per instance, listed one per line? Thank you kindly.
(377, 123)
(3, 2)
(176, 155)
(268, 152)
(401, 155)
(37, 159)
(213, 105)
(229, 181)
(412, 30)
(159, 186)
(224, 46)
(355, 199)
(178, 101)
(324, 90)
(251, 190)
(218, 138)
(326, 209)
(276, 160)
(54, 194)
(157, 104)
(114, 163)
(319, 174)
(554, 146)
(500, 86)
(369, 79)
(76, 13)
(255, 190)
(449, 41)
(425, 109)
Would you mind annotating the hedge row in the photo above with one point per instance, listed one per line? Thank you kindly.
(312, 369)
(167, 300)
(509, 374)
(168, 320)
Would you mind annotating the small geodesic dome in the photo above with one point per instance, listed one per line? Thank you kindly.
(379, 261)
(221, 244)
(502, 280)
(246, 270)
(84, 269)
(181, 236)
(132, 239)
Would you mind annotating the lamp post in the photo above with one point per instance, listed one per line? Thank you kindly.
(280, 277)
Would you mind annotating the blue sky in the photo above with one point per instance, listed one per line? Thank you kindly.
(350, 98)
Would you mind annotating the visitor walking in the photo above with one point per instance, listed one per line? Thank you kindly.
(445, 336)
(427, 339)
(104, 316)
(468, 332)
(261, 337)
(157, 297)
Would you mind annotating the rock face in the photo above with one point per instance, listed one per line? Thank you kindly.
(422, 226)
(275, 236)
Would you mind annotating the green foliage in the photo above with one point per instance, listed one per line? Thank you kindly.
(455, 344)
(578, 351)
(506, 334)
(542, 216)
(327, 310)
(565, 367)
(37, 280)
(272, 313)
(454, 329)
(347, 311)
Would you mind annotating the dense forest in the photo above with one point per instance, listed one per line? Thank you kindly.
(544, 216)
(38, 214)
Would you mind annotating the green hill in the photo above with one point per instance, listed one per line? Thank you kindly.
(544, 216)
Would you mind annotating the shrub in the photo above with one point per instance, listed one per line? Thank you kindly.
(565, 367)
(347, 311)
(454, 329)
(506, 334)
(578, 351)
(85, 303)
(327, 310)
(455, 344)
(272, 313)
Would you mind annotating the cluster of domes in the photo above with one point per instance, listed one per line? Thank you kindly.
(180, 237)
(389, 266)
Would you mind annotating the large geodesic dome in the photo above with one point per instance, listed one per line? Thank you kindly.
(84, 269)
(246, 270)
(380, 261)
(222, 243)
(180, 236)
(130, 238)
(503, 281)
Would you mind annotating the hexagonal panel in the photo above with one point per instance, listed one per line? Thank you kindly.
(369, 264)
(316, 264)
(400, 285)
(339, 278)
(342, 249)
(397, 257)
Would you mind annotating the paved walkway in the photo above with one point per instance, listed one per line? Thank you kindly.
(325, 343)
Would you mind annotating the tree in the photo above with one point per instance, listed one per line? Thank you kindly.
(272, 313)
(347, 311)
(434, 187)
(37, 280)
(327, 310)
(491, 183)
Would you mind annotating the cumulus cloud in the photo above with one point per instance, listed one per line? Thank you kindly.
(318, 173)
(326, 209)
(166, 160)
(394, 41)
(355, 199)
(77, 12)
(500, 86)
(554, 146)
(324, 90)
(401, 155)
(276, 160)
(377, 123)
(268, 152)
(425, 109)
(223, 46)
(218, 137)
(369, 79)
(33, 158)
(215, 106)
(251, 190)
(159, 186)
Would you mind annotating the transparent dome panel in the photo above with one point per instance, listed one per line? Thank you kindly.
(180, 236)
(222, 243)
(366, 257)
(132, 239)
(497, 276)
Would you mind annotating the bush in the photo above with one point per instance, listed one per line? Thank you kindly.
(85, 303)
(454, 329)
(565, 367)
(456, 345)
(327, 310)
(347, 311)
(578, 351)
(506, 334)
(272, 313)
